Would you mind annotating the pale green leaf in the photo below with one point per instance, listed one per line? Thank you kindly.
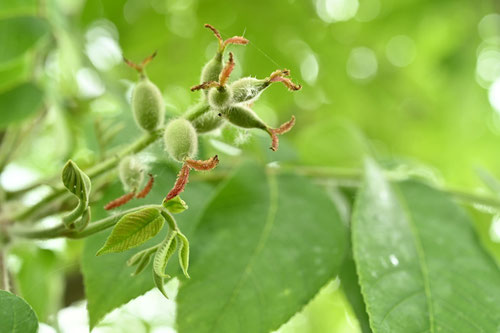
(16, 316)
(132, 230)
(264, 247)
(420, 265)
(163, 254)
(175, 205)
(159, 282)
(19, 102)
(76, 181)
(183, 253)
(108, 280)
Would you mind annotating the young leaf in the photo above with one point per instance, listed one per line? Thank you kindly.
(175, 205)
(78, 183)
(108, 280)
(183, 253)
(142, 259)
(19, 34)
(16, 316)
(163, 254)
(22, 102)
(264, 247)
(132, 230)
(420, 265)
(160, 283)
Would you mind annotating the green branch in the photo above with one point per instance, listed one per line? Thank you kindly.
(93, 172)
(61, 231)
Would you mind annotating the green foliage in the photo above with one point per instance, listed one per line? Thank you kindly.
(16, 316)
(264, 247)
(133, 230)
(19, 34)
(175, 205)
(19, 103)
(108, 280)
(419, 263)
(77, 183)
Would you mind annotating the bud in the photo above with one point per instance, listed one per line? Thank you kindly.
(131, 171)
(147, 101)
(243, 116)
(203, 118)
(212, 68)
(180, 139)
(248, 89)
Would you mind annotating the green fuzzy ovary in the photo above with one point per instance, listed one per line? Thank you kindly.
(131, 172)
(243, 116)
(219, 98)
(147, 104)
(247, 89)
(180, 138)
(211, 70)
(203, 118)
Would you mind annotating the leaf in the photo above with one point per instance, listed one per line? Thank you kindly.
(142, 259)
(16, 316)
(19, 103)
(19, 34)
(39, 279)
(183, 253)
(108, 281)
(263, 248)
(78, 183)
(16, 7)
(419, 262)
(165, 251)
(175, 205)
(132, 230)
(160, 283)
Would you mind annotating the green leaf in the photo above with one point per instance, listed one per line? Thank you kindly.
(19, 102)
(16, 316)
(163, 254)
(39, 279)
(78, 183)
(19, 34)
(160, 283)
(183, 253)
(420, 264)
(175, 205)
(108, 280)
(132, 230)
(264, 247)
(16, 7)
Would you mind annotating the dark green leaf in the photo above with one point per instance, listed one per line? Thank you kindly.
(108, 280)
(19, 103)
(420, 264)
(132, 230)
(76, 181)
(19, 34)
(16, 316)
(264, 247)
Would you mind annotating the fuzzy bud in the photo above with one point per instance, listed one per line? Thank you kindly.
(180, 138)
(131, 171)
(243, 116)
(147, 105)
(220, 98)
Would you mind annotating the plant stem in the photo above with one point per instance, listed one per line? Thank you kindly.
(4, 273)
(93, 172)
(61, 231)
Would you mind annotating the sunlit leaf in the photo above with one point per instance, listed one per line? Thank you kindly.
(16, 316)
(132, 230)
(183, 253)
(420, 264)
(175, 205)
(163, 254)
(264, 247)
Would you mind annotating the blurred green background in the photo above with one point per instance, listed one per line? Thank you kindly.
(414, 83)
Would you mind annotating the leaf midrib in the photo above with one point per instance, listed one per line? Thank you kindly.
(266, 230)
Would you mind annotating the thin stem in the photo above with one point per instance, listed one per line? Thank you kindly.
(93, 172)
(61, 231)
(4, 273)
